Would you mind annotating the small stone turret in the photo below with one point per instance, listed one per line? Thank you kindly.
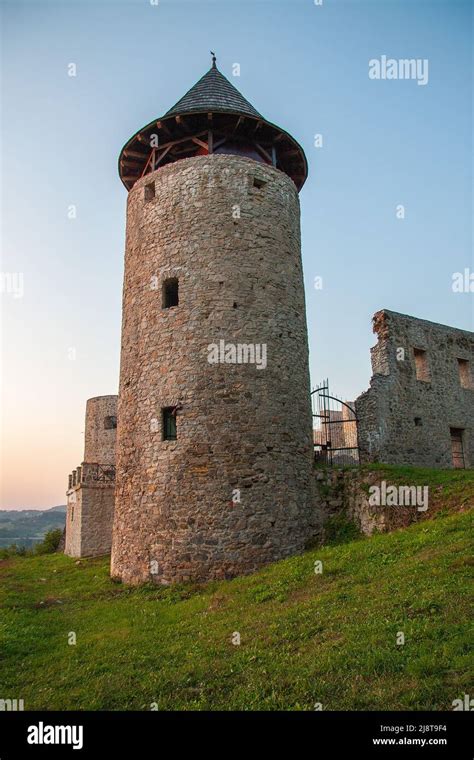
(101, 424)
(91, 486)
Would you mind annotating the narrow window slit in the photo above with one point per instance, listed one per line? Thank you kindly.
(170, 293)
(149, 191)
(169, 423)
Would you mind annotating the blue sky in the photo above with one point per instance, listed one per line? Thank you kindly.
(305, 68)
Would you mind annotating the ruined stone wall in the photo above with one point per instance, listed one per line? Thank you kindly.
(344, 494)
(100, 431)
(405, 420)
(348, 495)
(233, 491)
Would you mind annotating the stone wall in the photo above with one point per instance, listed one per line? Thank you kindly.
(348, 495)
(97, 518)
(232, 492)
(73, 522)
(90, 511)
(407, 415)
(344, 494)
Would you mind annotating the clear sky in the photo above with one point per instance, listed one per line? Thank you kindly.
(305, 68)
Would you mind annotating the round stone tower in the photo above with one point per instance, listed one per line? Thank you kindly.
(99, 435)
(214, 438)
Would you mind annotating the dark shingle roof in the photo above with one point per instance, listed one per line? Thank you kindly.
(214, 106)
(213, 92)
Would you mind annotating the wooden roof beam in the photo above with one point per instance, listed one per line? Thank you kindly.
(162, 155)
(220, 142)
(183, 123)
(264, 153)
(134, 154)
(200, 142)
(165, 129)
(240, 121)
(132, 163)
(292, 152)
(179, 140)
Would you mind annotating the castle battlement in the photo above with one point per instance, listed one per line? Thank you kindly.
(92, 473)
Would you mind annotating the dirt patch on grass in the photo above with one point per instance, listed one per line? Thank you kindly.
(50, 601)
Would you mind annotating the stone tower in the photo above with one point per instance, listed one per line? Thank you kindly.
(100, 431)
(91, 487)
(214, 438)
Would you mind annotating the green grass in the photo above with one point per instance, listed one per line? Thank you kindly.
(445, 483)
(305, 637)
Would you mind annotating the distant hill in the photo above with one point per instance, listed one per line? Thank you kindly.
(26, 527)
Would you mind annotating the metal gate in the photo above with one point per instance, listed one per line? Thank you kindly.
(334, 428)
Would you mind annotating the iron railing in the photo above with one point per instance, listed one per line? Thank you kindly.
(92, 472)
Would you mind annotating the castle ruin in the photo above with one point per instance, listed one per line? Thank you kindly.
(209, 473)
(419, 409)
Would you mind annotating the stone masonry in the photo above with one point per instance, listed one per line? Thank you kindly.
(233, 491)
(419, 409)
(344, 495)
(91, 491)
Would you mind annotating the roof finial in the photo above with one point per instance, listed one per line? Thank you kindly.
(213, 60)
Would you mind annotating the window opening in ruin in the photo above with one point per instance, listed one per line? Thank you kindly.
(110, 422)
(418, 421)
(259, 183)
(170, 293)
(169, 423)
(465, 377)
(457, 448)
(149, 191)
(72, 513)
(421, 365)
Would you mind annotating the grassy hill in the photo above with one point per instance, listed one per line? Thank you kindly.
(305, 637)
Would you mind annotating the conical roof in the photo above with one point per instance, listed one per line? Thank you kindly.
(213, 92)
(212, 117)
